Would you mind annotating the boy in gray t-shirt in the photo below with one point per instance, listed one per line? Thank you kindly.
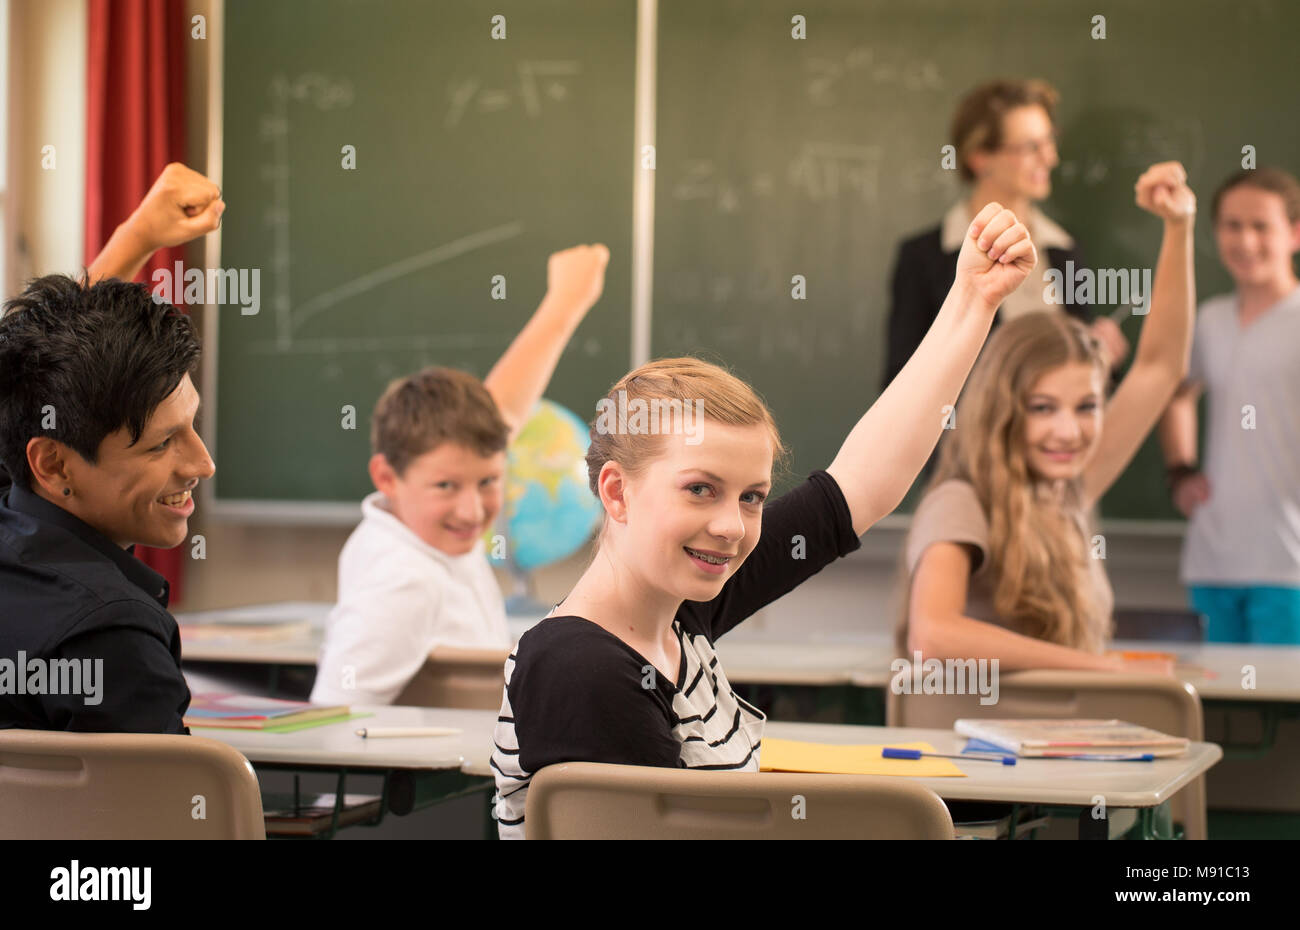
(1241, 555)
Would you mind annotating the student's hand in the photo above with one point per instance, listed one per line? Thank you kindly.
(574, 281)
(1190, 492)
(575, 277)
(182, 205)
(1113, 341)
(1163, 190)
(996, 256)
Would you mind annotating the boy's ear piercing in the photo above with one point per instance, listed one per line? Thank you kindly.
(67, 491)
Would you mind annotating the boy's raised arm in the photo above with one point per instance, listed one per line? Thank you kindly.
(574, 281)
(182, 205)
(891, 443)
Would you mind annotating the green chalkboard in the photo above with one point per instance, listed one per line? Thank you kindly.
(474, 157)
(774, 157)
(779, 157)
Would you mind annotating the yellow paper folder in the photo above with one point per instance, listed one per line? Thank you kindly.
(787, 755)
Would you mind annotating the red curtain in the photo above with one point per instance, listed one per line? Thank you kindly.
(135, 125)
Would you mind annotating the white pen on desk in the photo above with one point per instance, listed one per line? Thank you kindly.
(388, 732)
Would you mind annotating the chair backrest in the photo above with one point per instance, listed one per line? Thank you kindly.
(1171, 625)
(1164, 704)
(471, 679)
(587, 800)
(91, 786)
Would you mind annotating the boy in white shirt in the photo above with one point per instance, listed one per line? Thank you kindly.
(414, 576)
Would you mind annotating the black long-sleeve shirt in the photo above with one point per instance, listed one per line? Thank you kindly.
(70, 595)
(577, 693)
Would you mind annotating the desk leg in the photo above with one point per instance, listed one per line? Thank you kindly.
(340, 791)
(1270, 714)
(1157, 823)
(412, 791)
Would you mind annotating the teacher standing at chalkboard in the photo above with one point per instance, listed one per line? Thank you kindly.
(1005, 136)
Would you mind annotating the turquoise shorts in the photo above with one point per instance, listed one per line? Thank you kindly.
(1249, 614)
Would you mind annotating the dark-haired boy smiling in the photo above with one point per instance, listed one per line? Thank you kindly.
(97, 436)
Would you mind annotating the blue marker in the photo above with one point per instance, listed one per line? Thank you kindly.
(891, 753)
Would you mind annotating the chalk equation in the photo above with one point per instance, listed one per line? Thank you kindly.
(829, 80)
(532, 87)
(819, 171)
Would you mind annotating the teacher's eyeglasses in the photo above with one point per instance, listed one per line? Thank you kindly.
(1032, 147)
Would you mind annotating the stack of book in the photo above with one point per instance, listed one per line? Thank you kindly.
(240, 711)
(1100, 740)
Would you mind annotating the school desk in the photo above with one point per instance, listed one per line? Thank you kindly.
(417, 772)
(814, 677)
(1140, 786)
(819, 660)
(1251, 698)
(1258, 685)
(1273, 675)
(275, 657)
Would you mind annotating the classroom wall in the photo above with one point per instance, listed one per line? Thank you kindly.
(47, 106)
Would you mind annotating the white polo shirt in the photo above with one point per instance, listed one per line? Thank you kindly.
(399, 597)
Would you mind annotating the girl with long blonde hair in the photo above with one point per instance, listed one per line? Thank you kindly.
(1002, 560)
(624, 670)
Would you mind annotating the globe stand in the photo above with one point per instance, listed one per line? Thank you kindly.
(521, 602)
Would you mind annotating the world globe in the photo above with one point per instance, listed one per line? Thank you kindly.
(549, 511)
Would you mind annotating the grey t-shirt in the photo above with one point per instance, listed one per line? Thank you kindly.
(1248, 532)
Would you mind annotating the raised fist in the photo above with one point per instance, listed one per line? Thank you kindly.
(996, 255)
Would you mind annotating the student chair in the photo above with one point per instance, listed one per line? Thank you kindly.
(1163, 704)
(1152, 623)
(93, 786)
(595, 801)
(472, 679)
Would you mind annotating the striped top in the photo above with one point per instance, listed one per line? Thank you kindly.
(575, 692)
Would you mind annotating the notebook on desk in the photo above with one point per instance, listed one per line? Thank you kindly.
(244, 712)
(1064, 739)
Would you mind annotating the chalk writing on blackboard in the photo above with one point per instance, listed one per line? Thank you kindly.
(534, 84)
(322, 92)
(400, 269)
(819, 171)
(826, 170)
(832, 79)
